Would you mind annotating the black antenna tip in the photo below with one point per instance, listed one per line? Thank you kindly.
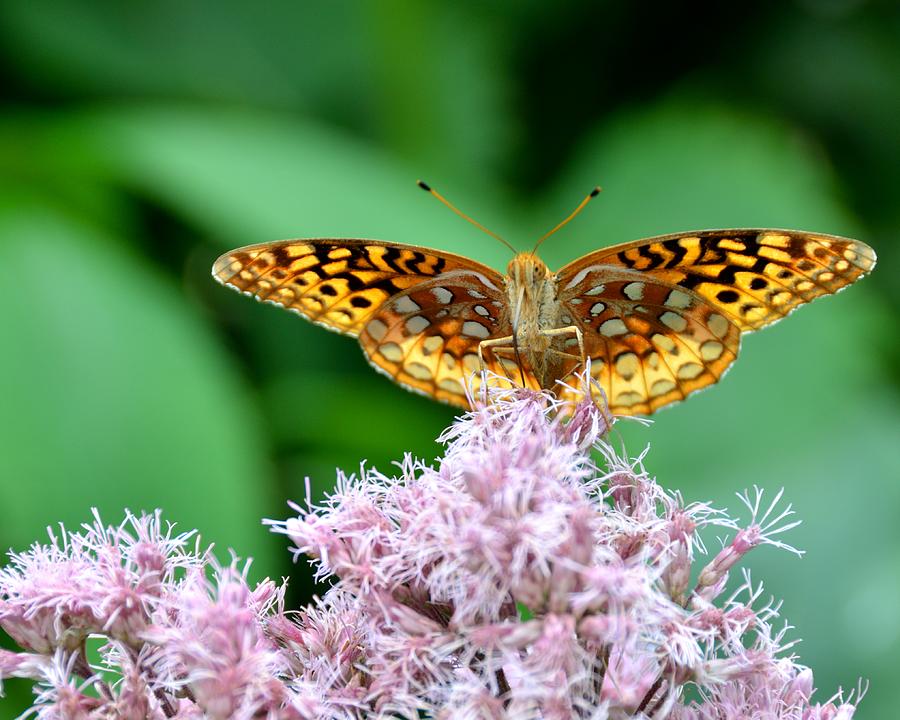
(424, 185)
(596, 191)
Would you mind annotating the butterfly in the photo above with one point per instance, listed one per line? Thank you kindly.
(658, 318)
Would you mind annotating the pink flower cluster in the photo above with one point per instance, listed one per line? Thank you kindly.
(517, 579)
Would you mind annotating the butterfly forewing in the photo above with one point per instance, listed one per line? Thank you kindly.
(755, 277)
(337, 283)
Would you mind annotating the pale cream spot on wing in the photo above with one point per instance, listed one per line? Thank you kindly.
(451, 385)
(416, 324)
(475, 294)
(432, 344)
(825, 276)
(663, 342)
(805, 285)
(571, 342)
(405, 304)
(470, 362)
(448, 361)
(673, 320)
(482, 310)
(711, 350)
(780, 297)
(841, 265)
(418, 371)
(597, 308)
(596, 290)
(851, 255)
(442, 295)
(629, 398)
(391, 351)
(689, 370)
(627, 365)
(613, 327)
(717, 324)
(376, 329)
(475, 329)
(661, 387)
(634, 291)
(653, 361)
(678, 299)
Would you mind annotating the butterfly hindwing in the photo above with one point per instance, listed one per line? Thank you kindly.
(650, 342)
(427, 338)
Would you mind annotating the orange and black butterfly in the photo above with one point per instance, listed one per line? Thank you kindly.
(659, 318)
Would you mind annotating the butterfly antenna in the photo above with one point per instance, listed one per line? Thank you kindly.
(591, 195)
(427, 188)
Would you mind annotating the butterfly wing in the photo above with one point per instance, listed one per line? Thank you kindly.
(427, 338)
(662, 317)
(419, 314)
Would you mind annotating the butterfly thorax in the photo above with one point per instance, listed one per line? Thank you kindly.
(534, 308)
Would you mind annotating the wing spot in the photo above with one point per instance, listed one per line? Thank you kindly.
(405, 304)
(627, 365)
(717, 324)
(661, 387)
(727, 296)
(471, 363)
(339, 253)
(663, 342)
(689, 370)
(442, 295)
(841, 265)
(778, 241)
(596, 290)
(377, 329)
(711, 350)
(482, 310)
(629, 398)
(597, 309)
(448, 360)
(758, 283)
(391, 351)
(674, 321)
(358, 301)
(475, 329)
(613, 327)
(418, 371)
(653, 361)
(451, 386)
(416, 324)
(678, 299)
(477, 295)
(432, 344)
(826, 276)
(805, 285)
(634, 291)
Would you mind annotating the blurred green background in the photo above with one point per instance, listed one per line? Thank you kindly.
(138, 141)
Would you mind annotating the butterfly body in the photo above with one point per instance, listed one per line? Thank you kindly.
(658, 318)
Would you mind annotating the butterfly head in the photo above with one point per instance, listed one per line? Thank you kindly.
(527, 270)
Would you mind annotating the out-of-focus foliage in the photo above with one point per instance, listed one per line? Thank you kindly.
(140, 140)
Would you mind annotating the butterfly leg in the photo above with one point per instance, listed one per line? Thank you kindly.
(576, 331)
(506, 341)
